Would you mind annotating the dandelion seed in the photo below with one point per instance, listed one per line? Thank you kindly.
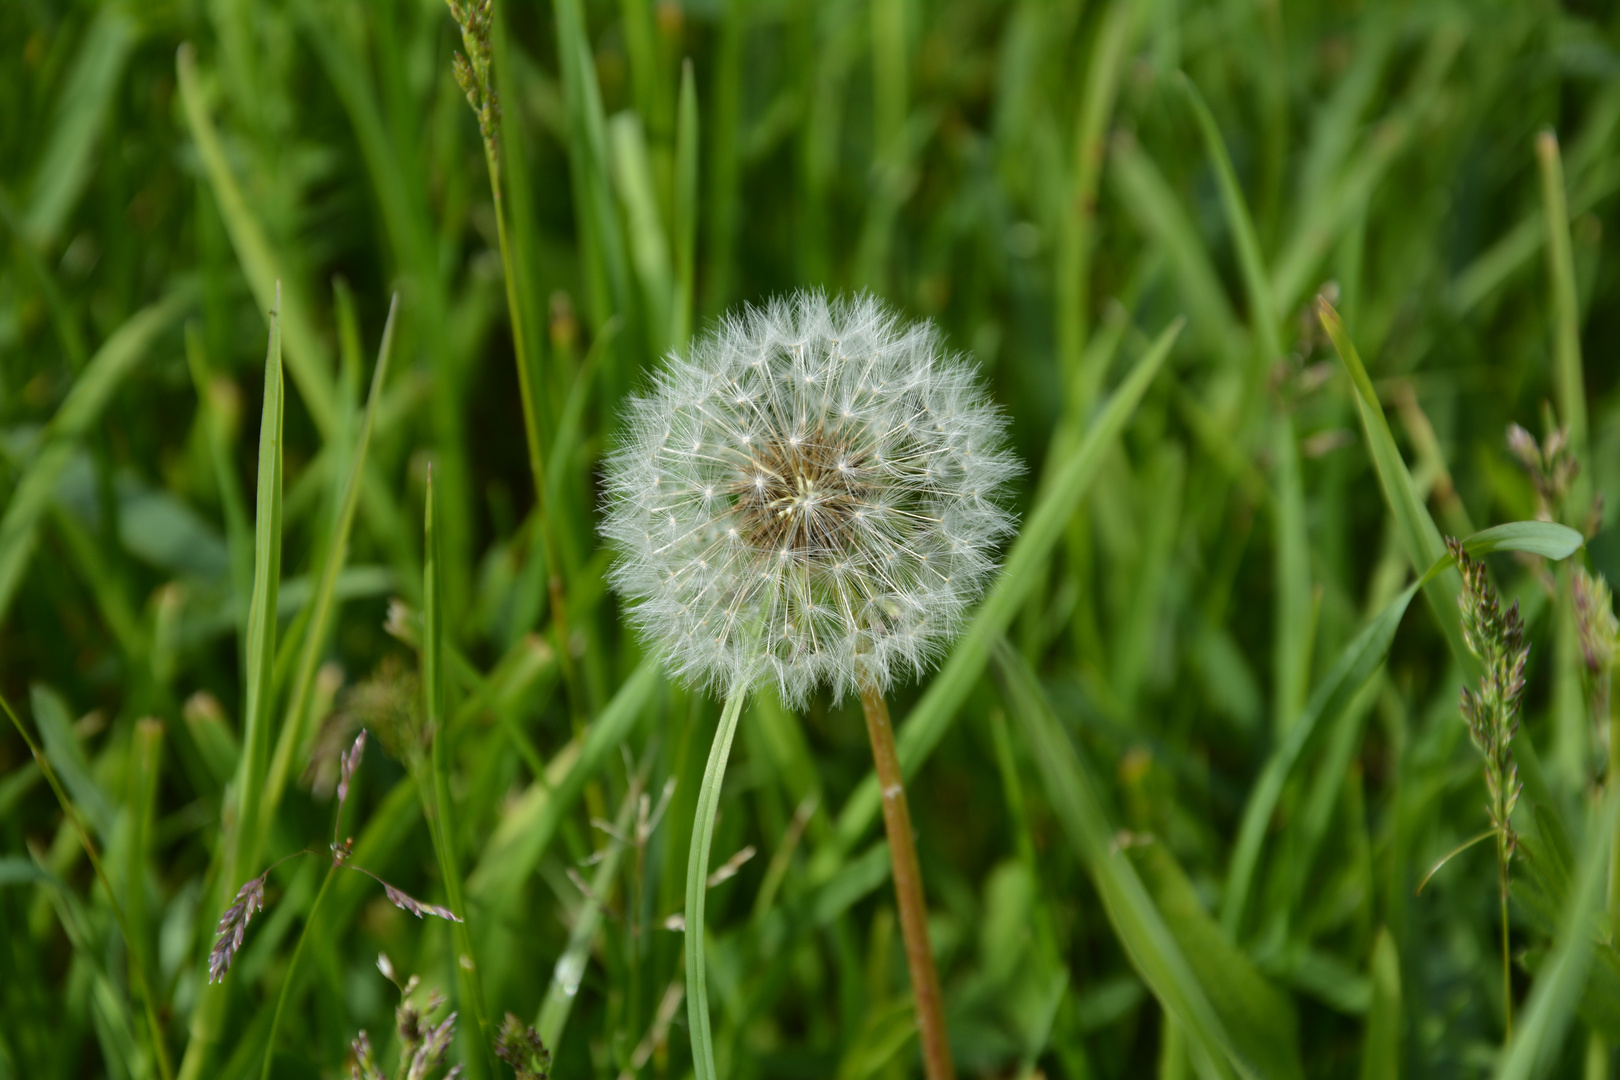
(814, 499)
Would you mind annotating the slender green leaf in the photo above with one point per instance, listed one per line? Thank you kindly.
(1417, 530)
(323, 602)
(1381, 1048)
(1155, 949)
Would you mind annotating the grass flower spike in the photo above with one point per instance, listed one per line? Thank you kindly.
(811, 496)
(1496, 638)
(812, 493)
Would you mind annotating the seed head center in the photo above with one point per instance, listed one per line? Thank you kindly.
(800, 496)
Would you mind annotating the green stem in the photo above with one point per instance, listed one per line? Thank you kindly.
(531, 435)
(1507, 967)
(697, 882)
(292, 972)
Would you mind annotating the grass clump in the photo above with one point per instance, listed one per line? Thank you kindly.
(1257, 289)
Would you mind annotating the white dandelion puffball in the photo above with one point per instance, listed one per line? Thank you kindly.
(812, 495)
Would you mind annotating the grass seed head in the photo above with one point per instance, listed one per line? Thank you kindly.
(815, 492)
(1496, 638)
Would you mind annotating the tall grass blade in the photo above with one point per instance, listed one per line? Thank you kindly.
(1418, 533)
(686, 207)
(1381, 1046)
(78, 414)
(1568, 381)
(435, 787)
(1157, 952)
(323, 604)
(262, 265)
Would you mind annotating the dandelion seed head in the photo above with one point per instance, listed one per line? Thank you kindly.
(837, 512)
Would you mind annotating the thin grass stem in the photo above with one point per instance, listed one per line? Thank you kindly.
(292, 971)
(908, 890)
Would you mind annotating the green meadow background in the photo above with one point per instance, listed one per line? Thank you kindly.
(1175, 788)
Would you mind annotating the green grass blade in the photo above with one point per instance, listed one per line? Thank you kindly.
(323, 603)
(932, 715)
(686, 207)
(238, 858)
(1417, 530)
(1291, 577)
(649, 248)
(602, 244)
(66, 165)
(1337, 690)
(1381, 1048)
(1568, 381)
(264, 268)
(1141, 188)
(261, 642)
(526, 830)
(1103, 73)
(78, 414)
(1545, 538)
(1556, 992)
(570, 967)
(62, 747)
(1263, 316)
(1137, 921)
(436, 806)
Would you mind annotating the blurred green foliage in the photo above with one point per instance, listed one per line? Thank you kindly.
(1173, 801)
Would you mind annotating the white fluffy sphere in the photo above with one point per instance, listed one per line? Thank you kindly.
(813, 495)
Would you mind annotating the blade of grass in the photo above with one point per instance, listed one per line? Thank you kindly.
(1568, 381)
(261, 264)
(240, 849)
(323, 603)
(602, 243)
(526, 830)
(649, 248)
(1073, 292)
(66, 164)
(78, 414)
(1556, 992)
(1419, 535)
(436, 807)
(1263, 316)
(686, 207)
(932, 715)
(1381, 1047)
(1132, 912)
(1141, 188)
(570, 967)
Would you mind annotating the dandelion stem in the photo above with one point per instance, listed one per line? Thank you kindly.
(697, 881)
(292, 970)
(908, 890)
